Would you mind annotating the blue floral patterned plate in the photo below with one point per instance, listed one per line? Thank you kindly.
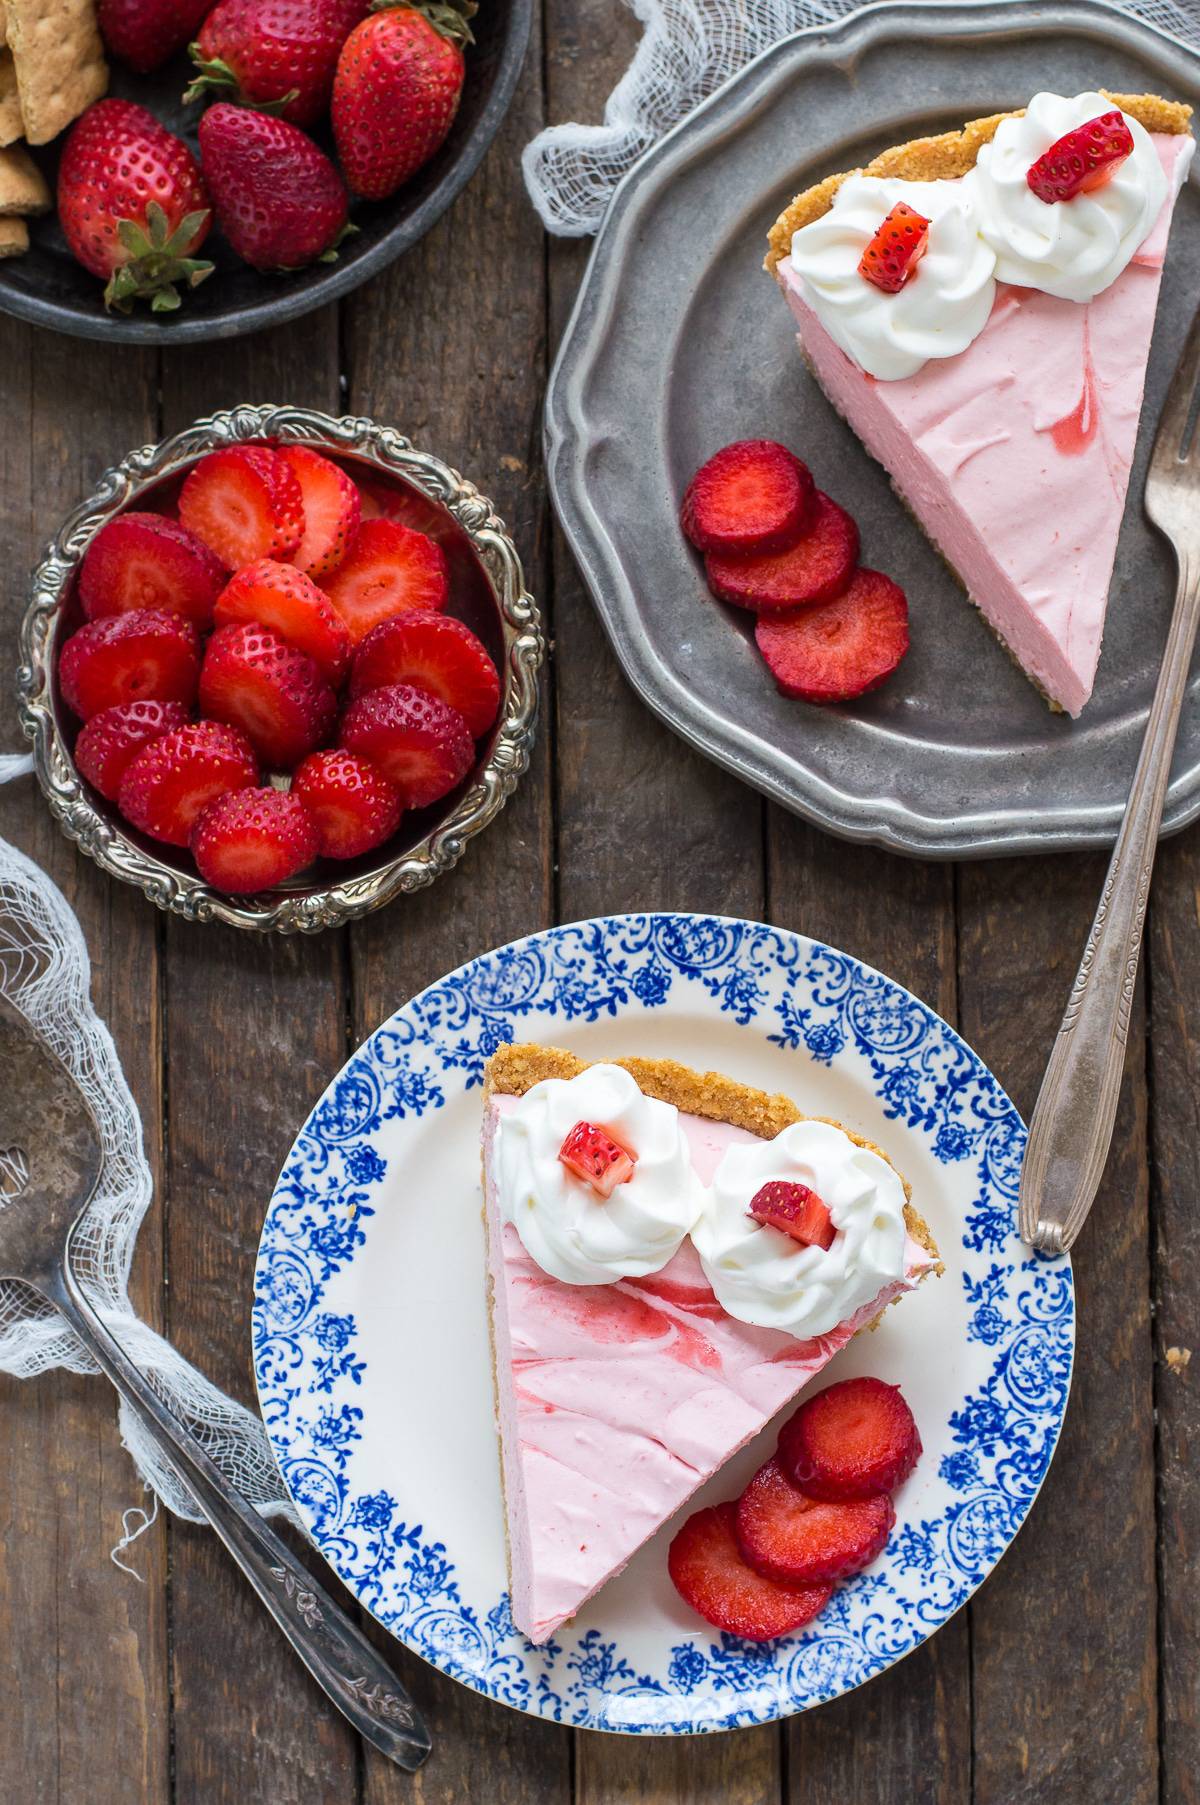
(371, 1340)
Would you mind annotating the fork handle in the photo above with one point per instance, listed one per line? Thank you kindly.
(336, 1653)
(1072, 1125)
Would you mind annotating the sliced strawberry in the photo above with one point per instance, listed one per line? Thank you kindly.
(436, 653)
(277, 696)
(795, 1210)
(708, 1572)
(800, 1541)
(170, 781)
(146, 655)
(332, 508)
(281, 597)
(148, 561)
(355, 807)
(111, 740)
(388, 568)
(418, 741)
(815, 568)
(896, 249)
(1082, 159)
(852, 1440)
(753, 496)
(245, 503)
(841, 649)
(592, 1155)
(253, 839)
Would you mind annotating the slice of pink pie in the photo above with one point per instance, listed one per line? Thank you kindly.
(1014, 453)
(616, 1401)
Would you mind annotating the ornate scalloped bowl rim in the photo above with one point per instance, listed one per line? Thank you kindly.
(184, 893)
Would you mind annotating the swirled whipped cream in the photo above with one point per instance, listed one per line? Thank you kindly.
(1072, 249)
(761, 1275)
(564, 1226)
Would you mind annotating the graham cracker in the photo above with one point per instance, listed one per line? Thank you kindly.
(3, 25)
(14, 236)
(22, 187)
(59, 60)
(12, 126)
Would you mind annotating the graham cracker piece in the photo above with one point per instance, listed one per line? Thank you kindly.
(3, 25)
(14, 236)
(12, 126)
(60, 62)
(22, 187)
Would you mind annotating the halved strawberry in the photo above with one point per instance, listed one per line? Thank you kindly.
(111, 740)
(852, 1440)
(592, 1155)
(416, 740)
(252, 840)
(170, 781)
(332, 508)
(148, 561)
(281, 597)
(752, 496)
(388, 568)
(245, 503)
(145, 655)
(1082, 159)
(800, 1541)
(436, 653)
(796, 1211)
(709, 1573)
(841, 649)
(815, 568)
(277, 696)
(898, 246)
(355, 807)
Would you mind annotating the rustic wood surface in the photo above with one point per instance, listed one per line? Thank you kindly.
(1072, 1677)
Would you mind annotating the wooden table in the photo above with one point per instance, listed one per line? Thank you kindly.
(1073, 1675)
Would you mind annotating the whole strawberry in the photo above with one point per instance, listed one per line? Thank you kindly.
(280, 202)
(144, 33)
(133, 205)
(276, 55)
(396, 91)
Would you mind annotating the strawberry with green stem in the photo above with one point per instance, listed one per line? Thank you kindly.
(397, 88)
(280, 202)
(277, 56)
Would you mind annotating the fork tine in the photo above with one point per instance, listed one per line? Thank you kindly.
(1177, 409)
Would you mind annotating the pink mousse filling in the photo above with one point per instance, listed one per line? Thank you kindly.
(615, 1402)
(1015, 455)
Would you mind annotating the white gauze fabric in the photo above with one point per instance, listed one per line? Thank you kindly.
(688, 48)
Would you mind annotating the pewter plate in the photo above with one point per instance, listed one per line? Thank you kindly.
(679, 343)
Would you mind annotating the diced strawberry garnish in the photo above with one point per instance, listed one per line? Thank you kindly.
(896, 249)
(816, 567)
(146, 655)
(1082, 159)
(753, 496)
(709, 1573)
(169, 782)
(276, 695)
(253, 839)
(113, 738)
(418, 741)
(852, 1440)
(795, 1210)
(436, 653)
(148, 561)
(841, 649)
(332, 506)
(592, 1155)
(388, 568)
(355, 807)
(800, 1541)
(245, 503)
(281, 597)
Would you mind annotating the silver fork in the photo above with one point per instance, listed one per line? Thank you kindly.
(49, 1163)
(1073, 1118)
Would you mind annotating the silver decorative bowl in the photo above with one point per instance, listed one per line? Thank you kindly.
(489, 592)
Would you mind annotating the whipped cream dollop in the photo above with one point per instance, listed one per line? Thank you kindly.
(944, 304)
(570, 1231)
(761, 1275)
(1073, 249)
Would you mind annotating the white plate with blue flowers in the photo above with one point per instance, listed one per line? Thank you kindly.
(371, 1338)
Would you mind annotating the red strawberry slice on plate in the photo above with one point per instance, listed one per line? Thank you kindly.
(752, 496)
(281, 597)
(796, 1211)
(388, 569)
(111, 740)
(1083, 159)
(852, 1440)
(147, 561)
(253, 839)
(253, 680)
(896, 249)
(436, 653)
(245, 503)
(145, 655)
(841, 649)
(709, 1573)
(800, 1541)
(594, 1156)
(354, 806)
(817, 567)
(170, 781)
(332, 510)
(416, 740)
